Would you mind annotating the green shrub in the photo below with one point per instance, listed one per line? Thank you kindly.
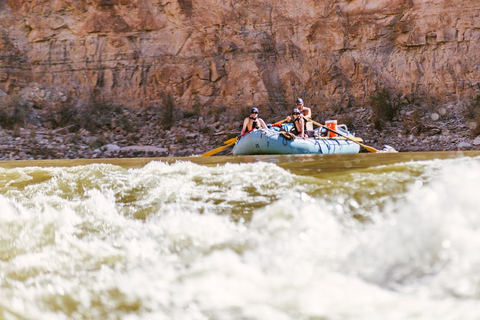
(472, 114)
(168, 112)
(14, 114)
(93, 116)
(472, 108)
(385, 107)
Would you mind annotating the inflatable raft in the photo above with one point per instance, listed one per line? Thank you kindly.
(271, 141)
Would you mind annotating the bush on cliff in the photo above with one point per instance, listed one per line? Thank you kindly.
(94, 115)
(168, 112)
(14, 113)
(471, 113)
(385, 106)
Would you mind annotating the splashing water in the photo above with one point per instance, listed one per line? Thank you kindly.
(240, 241)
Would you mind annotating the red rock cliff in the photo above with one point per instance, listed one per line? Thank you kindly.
(242, 52)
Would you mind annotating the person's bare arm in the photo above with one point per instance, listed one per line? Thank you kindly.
(262, 123)
(302, 130)
(308, 113)
(245, 124)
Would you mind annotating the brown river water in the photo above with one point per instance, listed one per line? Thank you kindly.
(363, 236)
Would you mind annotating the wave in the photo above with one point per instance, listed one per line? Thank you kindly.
(232, 241)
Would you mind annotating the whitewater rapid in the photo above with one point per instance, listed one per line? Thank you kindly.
(240, 241)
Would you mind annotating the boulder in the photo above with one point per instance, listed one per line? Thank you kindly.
(476, 141)
(464, 145)
(109, 148)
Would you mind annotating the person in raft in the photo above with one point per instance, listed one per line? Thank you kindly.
(298, 124)
(252, 122)
(305, 112)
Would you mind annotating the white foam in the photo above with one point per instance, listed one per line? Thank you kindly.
(300, 256)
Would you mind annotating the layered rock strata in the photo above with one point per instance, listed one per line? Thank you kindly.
(242, 52)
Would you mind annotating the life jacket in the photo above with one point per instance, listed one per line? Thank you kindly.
(294, 130)
(255, 124)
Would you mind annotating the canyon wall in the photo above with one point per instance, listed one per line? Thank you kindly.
(239, 53)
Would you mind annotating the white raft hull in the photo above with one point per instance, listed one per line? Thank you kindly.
(272, 142)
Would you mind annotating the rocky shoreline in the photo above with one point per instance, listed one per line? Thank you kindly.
(37, 143)
(196, 135)
(43, 122)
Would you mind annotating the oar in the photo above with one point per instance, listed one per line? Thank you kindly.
(228, 143)
(371, 149)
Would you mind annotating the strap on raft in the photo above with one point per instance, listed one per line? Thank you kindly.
(287, 135)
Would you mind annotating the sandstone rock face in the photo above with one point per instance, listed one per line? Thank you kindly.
(242, 52)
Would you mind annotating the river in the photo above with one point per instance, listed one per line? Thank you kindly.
(364, 236)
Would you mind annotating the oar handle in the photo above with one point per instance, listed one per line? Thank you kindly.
(371, 149)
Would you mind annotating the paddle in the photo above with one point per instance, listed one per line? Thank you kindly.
(228, 143)
(371, 149)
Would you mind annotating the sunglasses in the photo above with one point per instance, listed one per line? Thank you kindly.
(296, 113)
(254, 112)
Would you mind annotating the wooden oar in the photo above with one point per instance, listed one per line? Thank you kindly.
(371, 149)
(214, 151)
(228, 143)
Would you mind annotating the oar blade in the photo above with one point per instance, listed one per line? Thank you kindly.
(230, 141)
(371, 149)
(217, 150)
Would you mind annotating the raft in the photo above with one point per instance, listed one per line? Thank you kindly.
(270, 141)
